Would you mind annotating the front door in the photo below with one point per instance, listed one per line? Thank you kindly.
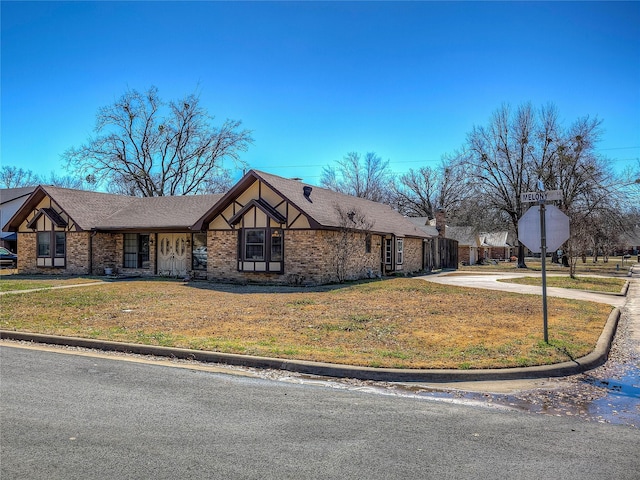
(172, 254)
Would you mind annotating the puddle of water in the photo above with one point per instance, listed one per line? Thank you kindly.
(619, 387)
(621, 403)
(615, 400)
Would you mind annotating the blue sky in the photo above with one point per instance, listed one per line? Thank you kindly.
(314, 81)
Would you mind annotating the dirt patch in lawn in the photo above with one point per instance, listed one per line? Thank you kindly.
(402, 323)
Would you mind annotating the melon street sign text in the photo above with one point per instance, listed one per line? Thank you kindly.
(541, 196)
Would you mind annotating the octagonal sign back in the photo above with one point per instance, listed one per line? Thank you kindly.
(556, 227)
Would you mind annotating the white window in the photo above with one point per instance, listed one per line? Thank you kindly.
(400, 251)
(388, 251)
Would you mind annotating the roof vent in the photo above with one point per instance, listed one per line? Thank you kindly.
(307, 192)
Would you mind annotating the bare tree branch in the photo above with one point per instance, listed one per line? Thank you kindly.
(145, 147)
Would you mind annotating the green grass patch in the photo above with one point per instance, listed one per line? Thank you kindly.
(596, 284)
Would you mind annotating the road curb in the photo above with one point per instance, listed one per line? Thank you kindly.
(594, 359)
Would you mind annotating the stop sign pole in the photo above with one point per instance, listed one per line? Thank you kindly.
(541, 197)
(543, 251)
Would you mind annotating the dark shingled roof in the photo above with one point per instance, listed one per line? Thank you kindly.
(159, 212)
(465, 236)
(95, 210)
(320, 206)
(423, 224)
(9, 194)
(104, 211)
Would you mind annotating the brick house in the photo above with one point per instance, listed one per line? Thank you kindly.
(265, 229)
(469, 244)
(498, 245)
(65, 231)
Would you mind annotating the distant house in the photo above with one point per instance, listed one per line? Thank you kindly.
(630, 242)
(468, 244)
(265, 229)
(440, 250)
(11, 199)
(497, 245)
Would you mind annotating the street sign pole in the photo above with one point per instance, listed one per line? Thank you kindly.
(543, 251)
(533, 234)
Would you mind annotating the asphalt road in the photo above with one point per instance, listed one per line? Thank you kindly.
(77, 417)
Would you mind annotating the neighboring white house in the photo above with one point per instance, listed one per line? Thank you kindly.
(11, 199)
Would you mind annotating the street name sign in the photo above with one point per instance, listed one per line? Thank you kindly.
(549, 196)
(556, 226)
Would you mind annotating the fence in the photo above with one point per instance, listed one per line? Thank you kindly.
(440, 253)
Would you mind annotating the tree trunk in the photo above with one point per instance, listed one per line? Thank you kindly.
(521, 263)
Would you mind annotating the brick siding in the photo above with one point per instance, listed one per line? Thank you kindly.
(309, 259)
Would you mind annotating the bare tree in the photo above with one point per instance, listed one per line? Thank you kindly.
(350, 245)
(146, 147)
(367, 177)
(499, 159)
(221, 182)
(517, 149)
(66, 181)
(591, 193)
(14, 177)
(420, 193)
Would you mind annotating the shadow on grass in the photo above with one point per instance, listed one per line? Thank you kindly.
(242, 288)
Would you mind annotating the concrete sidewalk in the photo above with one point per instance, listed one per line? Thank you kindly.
(491, 281)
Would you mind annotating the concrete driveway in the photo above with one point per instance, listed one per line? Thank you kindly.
(491, 281)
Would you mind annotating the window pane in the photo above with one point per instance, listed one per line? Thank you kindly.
(387, 251)
(60, 244)
(254, 252)
(276, 245)
(180, 247)
(143, 251)
(130, 250)
(254, 236)
(44, 244)
(254, 244)
(199, 252)
(130, 243)
(400, 251)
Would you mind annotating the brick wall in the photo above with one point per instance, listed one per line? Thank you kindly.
(105, 252)
(27, 253)
(463, 255)
(77, 253)
(309, 258)
(412, 255)
(222, 247)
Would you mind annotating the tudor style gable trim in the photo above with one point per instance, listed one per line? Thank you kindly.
(234, 198)
(53, 215)
(259, 203)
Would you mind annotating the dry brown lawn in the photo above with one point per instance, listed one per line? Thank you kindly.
(402, 323)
